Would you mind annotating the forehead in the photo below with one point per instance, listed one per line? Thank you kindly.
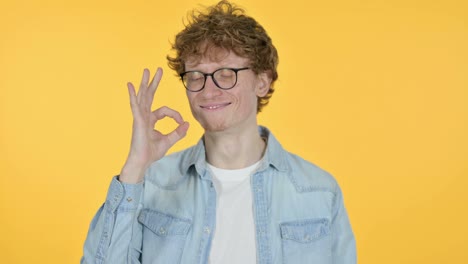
(215, 56)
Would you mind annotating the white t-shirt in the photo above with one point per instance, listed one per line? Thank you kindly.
(234, 237)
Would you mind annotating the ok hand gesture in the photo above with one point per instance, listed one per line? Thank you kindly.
(148, 144)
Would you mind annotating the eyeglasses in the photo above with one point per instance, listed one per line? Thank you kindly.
(224, 78)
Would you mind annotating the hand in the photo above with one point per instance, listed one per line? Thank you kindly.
(148, 145)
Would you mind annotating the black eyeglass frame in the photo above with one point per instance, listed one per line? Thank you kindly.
(235, 70)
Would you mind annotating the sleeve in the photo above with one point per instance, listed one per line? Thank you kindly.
(344, 243)
(115, 235)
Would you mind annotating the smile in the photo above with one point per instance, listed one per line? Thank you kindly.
(214, 106)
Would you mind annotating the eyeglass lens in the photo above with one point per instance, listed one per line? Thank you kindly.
(223, 78)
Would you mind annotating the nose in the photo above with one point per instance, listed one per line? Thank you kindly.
(210, 87)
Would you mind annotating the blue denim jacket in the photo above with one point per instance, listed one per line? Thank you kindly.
(170, 218)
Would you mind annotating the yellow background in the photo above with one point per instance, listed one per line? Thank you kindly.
(375, 92)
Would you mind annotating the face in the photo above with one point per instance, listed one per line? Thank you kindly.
(227, 110)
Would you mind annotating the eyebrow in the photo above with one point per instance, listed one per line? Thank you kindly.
(222, 67)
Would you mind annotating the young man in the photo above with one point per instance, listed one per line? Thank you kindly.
(235, 197)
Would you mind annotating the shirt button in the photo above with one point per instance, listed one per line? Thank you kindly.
(129, 199)
(162, 231)
(207, 230)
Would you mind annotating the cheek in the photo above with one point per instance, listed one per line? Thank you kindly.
(191, 101)
(190, 98)
(248, 101)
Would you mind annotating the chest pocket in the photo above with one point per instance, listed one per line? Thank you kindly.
(306, 241)
(163, 236)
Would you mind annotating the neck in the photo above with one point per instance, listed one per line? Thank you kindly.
(234, 150)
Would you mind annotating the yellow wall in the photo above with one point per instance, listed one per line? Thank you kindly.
(376, 92)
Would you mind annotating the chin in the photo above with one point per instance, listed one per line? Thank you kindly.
(213, 127)
(214, 122)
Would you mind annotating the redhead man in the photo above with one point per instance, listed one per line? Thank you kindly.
(235, 197)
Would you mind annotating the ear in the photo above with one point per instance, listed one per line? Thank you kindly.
(264, 82)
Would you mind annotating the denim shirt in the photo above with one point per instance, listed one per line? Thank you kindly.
(170, 217)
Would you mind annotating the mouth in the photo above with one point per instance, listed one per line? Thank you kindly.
(212, 107)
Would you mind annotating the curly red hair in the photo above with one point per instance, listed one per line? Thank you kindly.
(225, 26)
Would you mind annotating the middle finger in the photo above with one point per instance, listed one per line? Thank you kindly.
(153, 86)
(143, 86)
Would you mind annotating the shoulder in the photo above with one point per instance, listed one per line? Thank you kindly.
(304, 175)
(307, 177)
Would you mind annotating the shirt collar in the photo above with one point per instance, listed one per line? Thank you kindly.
(274, 156)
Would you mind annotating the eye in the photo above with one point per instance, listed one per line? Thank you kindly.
(225, 73)
(194, 76)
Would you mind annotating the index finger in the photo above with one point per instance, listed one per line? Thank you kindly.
(165, 111)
